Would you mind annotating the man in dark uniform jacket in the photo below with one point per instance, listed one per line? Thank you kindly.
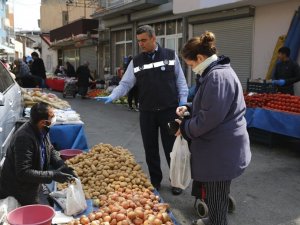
(29, 157)
(287, 72)
(162, 87)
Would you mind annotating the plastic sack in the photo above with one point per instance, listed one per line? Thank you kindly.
(75, 202)
(180, 168)
(6, 205)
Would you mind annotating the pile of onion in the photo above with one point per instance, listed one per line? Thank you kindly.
(128, 208)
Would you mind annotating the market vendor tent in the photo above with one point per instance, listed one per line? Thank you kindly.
(293, 37)
(292, 40)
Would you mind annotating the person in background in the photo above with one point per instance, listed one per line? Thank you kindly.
(162, 87)
(83, 75)
(23, 75)
(70, 71)
(29, 157)
(133, 93)
(216, 129)
(59, 70)
(287, 72)
(37, 69)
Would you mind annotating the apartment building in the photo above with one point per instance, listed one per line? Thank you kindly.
(69, 33)
(7, 30)
(246, 31)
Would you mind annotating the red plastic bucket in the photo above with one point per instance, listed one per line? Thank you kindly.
(31, 215)
(69, 153)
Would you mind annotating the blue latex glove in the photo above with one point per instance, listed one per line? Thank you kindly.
(182, 103)
(280, 82)
(104, 99)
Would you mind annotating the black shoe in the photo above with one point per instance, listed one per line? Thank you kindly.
(176, 191)
(156, 186)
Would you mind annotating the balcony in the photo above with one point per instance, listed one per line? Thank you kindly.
(110, 4)
(112, 8)
(82, 26)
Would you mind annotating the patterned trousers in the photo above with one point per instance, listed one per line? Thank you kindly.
(217, 200)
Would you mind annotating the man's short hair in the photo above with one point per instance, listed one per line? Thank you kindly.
(146, 29)
(34, 54)
(38, 112)
(285, 51)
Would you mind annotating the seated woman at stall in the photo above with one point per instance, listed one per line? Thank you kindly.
(23, 75)
(60, 71)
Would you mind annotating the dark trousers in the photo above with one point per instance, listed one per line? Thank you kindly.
(217, 200)
(133, 95)
(150, 123)
(82, 90)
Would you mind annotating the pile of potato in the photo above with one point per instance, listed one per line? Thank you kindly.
(106, 169)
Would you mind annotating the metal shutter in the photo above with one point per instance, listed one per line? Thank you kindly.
(89, 54)
(233, 39)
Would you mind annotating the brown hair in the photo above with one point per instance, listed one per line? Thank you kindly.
(203, 45)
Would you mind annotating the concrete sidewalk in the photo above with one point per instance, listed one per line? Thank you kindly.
(268, 193)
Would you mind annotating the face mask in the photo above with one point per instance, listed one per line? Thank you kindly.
(47, 127)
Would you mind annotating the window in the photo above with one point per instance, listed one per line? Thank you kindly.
(65, 17)
(120, 53)
(179, 26)
(120, 36)
(171, 27)
(71, 56)
(169, 34)
(159, 29)
(123, 46)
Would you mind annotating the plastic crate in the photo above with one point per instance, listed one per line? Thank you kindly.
(260, 86)
(261, 136)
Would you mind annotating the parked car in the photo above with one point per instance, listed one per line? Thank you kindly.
(10, 108)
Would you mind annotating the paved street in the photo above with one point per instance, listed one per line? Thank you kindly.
(268, 193)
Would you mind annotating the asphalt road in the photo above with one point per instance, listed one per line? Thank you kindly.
(268, 193)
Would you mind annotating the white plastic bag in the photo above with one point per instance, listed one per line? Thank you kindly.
(6, 205)
(180, 168)
(75, 202)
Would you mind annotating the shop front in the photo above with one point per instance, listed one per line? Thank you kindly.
(234, 34)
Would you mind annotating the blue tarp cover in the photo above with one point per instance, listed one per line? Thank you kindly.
(273, 121)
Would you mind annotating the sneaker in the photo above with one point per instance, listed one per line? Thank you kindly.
(176, 191)
(130, 108)
(136, 109)
(203, 221)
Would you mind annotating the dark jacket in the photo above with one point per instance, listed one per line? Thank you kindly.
(70, 70)
(22, 173)
(220, 148)
(83, 76)
(288, 71)
(38, 68)
(156, 80)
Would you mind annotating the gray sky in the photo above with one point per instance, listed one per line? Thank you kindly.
(27, 14)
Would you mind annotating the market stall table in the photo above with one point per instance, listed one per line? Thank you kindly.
(56, 84)
(68, 136)
(274, 121)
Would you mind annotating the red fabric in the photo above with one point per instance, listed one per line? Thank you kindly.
(55, 84)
